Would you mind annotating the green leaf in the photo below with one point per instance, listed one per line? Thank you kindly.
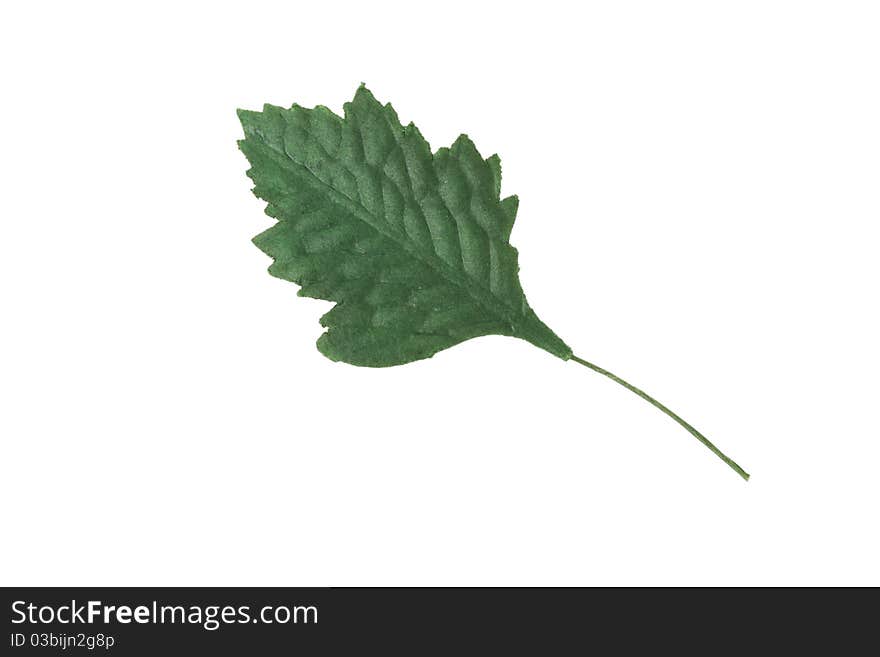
(413, 246)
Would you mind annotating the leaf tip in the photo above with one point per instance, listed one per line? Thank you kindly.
(463, 141)
(364, 94)
(246, 117)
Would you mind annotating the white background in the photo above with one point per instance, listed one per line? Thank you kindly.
(699, 214)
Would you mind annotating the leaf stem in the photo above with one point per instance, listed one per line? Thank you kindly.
(696, 434)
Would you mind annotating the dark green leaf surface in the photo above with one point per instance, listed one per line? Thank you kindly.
(412, 246)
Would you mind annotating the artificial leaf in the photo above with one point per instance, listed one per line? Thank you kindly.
(412, 246)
